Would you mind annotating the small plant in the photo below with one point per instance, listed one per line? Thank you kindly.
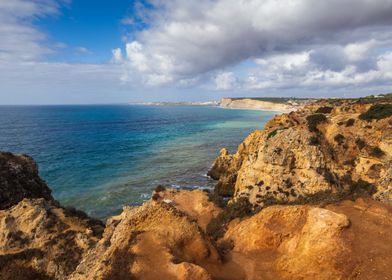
(339, 138)
(363, 185)
(376, 152)
(314, 120)
(217, 199)
(377, 112)
(324, 110)
(350, 122)
(350, 162)
(314, 141)
(272, 134)
(329, 177)
(360, 143)
(238, 209)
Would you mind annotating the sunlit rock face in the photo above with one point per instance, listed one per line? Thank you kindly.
(327, 148)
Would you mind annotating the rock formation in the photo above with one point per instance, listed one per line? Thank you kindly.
(327, 149)
(38, 238)
(19, 179)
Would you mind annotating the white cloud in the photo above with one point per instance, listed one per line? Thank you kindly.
(26, 77)
(117, 55)
(19, 39)
(225, 81)
(82, 50)
(290, 41)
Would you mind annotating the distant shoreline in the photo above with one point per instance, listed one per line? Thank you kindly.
(271, 104)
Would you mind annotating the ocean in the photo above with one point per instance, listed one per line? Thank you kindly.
(100, 158)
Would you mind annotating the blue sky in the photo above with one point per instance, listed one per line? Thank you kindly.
(74, 51)
(80, 24)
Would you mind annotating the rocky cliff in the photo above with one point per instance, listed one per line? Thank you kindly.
(326, 150)
(39, 239)
(339, 229)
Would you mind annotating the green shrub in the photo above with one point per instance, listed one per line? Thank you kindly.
(377, 112)
(339, 138)
(363, 185)
(360, 143)
(238, 209)
(350, 162)
(217, 199)
(314, 120)
(376, 152)
(272, 134)
(350, 122)
(324, 110)
(314, 141)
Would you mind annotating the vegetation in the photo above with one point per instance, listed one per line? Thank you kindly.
(363, 185)
(376, 152)
(272, 134)
(217, 199)
(238, 209)
(360, 143)
(314, 141)
(314, 120)
(350, 122)
(339, 138)
(324, 110)
(350, 162)
(377, 112)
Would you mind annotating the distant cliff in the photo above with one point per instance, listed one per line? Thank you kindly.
(273, 104)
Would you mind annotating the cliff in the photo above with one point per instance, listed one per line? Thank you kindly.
(39, 239)
(270, 104)
(328, 214)
(326, 150)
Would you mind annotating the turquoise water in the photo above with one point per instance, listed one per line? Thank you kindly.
(100, 158)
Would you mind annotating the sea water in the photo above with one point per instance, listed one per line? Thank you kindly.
(100, 158)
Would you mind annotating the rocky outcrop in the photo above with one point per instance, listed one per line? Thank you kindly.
(149, 242)
(19, 179)
(38, 238)
(309, 242)
(325, 150)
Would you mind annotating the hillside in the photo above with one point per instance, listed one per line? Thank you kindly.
(265, 103)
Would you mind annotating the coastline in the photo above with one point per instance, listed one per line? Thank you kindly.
(265, 211)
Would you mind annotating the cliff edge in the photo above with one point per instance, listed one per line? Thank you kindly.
(324, 151)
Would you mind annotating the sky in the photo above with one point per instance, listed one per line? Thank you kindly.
(93, 52)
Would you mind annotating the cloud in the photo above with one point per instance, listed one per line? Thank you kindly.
(25, 75)
(19, 39)
(225, 81)
(298, 38)
(82, 50)
(117, 55)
